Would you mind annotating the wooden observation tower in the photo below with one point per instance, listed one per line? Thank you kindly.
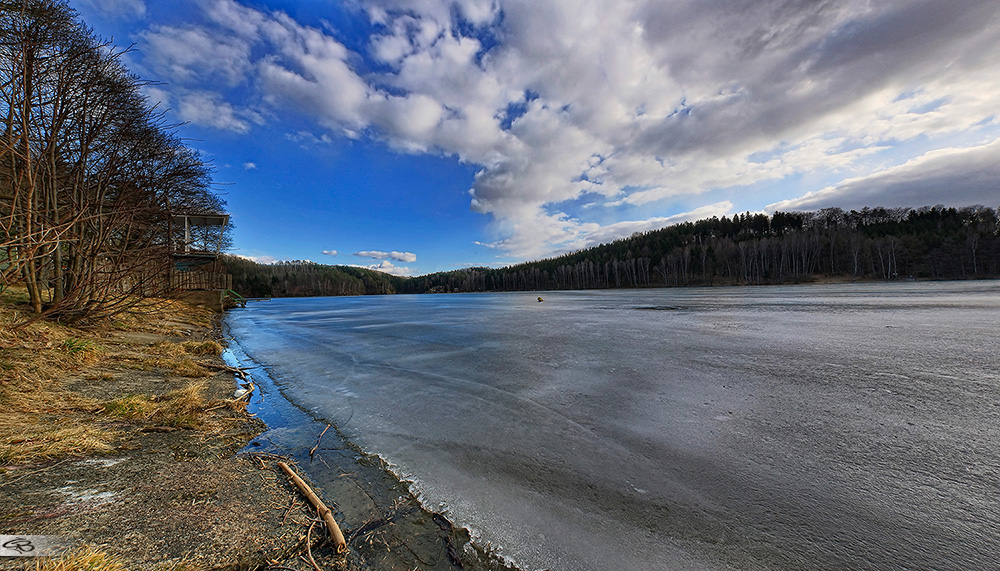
(196, 242)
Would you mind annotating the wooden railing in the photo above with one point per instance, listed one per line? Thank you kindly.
(201, 280)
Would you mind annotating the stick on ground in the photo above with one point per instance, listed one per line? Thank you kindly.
(331, 525)
(318, 439)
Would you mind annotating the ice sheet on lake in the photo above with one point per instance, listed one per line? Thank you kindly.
(848, 426)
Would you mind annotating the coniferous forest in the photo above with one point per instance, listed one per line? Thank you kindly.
(746, 249)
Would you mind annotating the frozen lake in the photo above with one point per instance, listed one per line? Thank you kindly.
(813, 427)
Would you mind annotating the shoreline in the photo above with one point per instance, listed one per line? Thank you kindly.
(386, 525)
(165, 488)
(201, 491)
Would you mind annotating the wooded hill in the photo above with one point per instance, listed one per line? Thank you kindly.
(786, 247)
(303, 278)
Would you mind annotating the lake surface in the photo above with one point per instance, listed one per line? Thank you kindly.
(788, 427)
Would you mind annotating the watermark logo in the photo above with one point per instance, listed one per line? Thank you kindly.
(32, 545)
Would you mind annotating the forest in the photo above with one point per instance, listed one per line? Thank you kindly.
(746, 249)
(303, 278)
(90, 175)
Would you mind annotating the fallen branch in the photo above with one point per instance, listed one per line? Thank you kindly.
(331, 525)
(288, 511)
(240, 372)
(309, 550)
(318, 439)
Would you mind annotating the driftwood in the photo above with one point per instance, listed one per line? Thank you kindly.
(324, 512)
(240, 372)
(318, 439)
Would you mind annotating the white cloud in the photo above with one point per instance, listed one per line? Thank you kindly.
(210, 110)
(678, 98)
(376, 254)
(119, 9)
(632, 104)
(405, 257)
(387, 267)
(249, 166)
(261, 258)
(156, 97)
(305, 137)
(188, 54)
(330, 252)
(952, 176)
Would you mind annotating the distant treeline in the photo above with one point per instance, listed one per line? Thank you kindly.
(786, 247)
(301, 279)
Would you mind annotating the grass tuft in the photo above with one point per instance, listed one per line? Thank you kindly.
(25, 439)
(187, 367)
(83, 559)
(203, 348)
(181, 408)
(77, 345)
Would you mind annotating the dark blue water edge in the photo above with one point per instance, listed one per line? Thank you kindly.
(386, 526)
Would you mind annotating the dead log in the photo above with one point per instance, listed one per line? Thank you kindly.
(324, 512)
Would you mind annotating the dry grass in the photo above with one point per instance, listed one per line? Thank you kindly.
(172, 349)
(187, 367)
(138, 318)
(203, 348)
(181, 408)
(83, 559)
(23, 438)
(167, 349)
(177, 356)
(41, 420)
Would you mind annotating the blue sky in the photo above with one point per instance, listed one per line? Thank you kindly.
(425, 135)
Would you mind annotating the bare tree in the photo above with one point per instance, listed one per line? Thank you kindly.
(89, 174)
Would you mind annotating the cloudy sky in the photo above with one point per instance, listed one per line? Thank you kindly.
(424, 135)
